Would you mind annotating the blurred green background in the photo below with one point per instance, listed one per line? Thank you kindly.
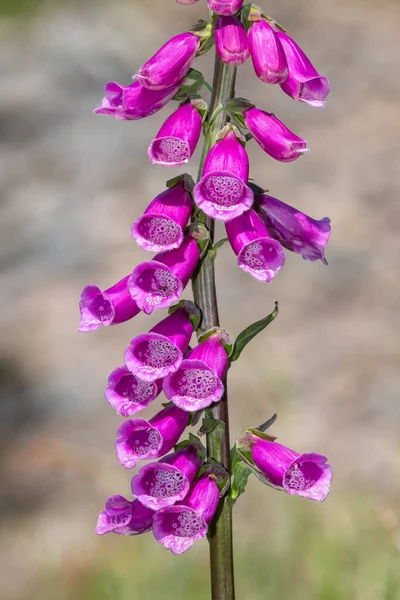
(73, 183)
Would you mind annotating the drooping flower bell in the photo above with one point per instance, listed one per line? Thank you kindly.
(223, 193)
(161, 226)
(231, 40)
(303, 82)
(159, 352)
(170, 63)
(198, 381)
(158, 283)
(225, 7)
(273, 136)
(132, 102)
(293, 229)
(163, 483)
(128, 394)
(307, 475)
(257, 253)
(177, 139)
(178, 527)
(124, 517)
(101, 309)
(269, 60)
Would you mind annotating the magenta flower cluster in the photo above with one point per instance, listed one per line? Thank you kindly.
(177, 495)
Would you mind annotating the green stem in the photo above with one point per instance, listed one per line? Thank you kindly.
(204, 291)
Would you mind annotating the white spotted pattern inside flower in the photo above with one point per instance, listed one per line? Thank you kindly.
(164, 484)
(187, 524)
(144, 441)
(157, 354)
(159, 285)
(259, 256)
(101, 309)
(195, 383)
(295, 479)
(120, 519)
(170, 150)
(160, 231)
(134, 390)
(223, 190)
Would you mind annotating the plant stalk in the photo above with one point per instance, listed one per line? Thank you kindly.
(204, 291)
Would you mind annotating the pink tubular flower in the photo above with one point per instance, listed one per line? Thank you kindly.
(128, 394)
(158, 283)
(306, 475)
(165, 482)
(257, 253)
(124, 517)
(223, 193)
(101, 309)
(170, 63)
(198, 381)
(177, 139)
(225, 7)
(161, 226)
(139, 439)
(178, 527)
(273, 136)
(231, 40)
(293, 229)
(269, 60)
(156, 354)
(132, 102)
(303, 82)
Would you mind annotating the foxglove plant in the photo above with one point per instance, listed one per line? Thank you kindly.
(190, 492)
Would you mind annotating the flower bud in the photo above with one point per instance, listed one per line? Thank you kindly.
(170, 63)
(223, 193)
(273, 136)
(101, 309)
(293, 229)
(267, 54)
(303, 82)
(257, 253)
(132, 102)
(177, 139)
(158, 283)
(225, 7)
(161, 226)
(138, 439)
(231, 40)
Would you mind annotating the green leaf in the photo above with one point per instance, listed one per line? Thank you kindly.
(268, 423)
(192, 83)
(250, 332)
(220, 243)
(239, 475)
(208, 425)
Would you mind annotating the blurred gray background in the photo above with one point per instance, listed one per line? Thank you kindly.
(72, 184)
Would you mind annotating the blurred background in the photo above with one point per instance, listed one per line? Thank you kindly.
(72, 184)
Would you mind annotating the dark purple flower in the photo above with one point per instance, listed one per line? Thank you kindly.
(267, 54)
(223, 193)
(257, 253)
(178, 527)
(170, 63)
(177, 139)
(138, 439)
(163, 483)
(198, 381)
(231, 40)
(156, 354)
(158, 283)
(306, 475)
(161, 226)
(124, 517)
(132, 102)
(273, 136)
(303, 82)
(101, 309)
(225, 7)
(128, 394)
(293, 229)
